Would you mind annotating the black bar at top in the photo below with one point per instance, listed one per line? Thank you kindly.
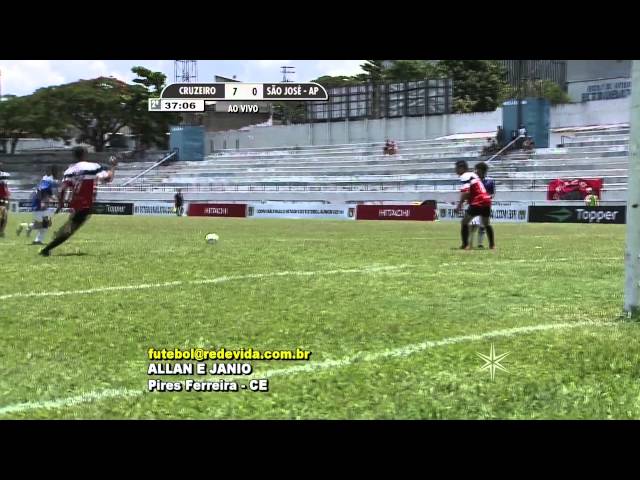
(194, 90)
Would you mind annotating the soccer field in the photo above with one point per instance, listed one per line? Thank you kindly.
(393, 314)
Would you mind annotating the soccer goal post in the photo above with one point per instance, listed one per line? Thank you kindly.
(632, 248)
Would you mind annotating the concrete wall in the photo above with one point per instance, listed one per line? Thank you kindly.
(333, 197)
(360, 131)
(588, 91)
(604, 112)
(581, 70)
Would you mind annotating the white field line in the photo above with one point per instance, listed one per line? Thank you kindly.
(549, 260)
(369, 269)
(311, 367)
(143, 286)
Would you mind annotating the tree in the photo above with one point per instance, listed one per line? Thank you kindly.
(7, 120)
(25, 116)
(97, 108)
(408, 70)
(538, 88)
(477, 84)
(328, 81)
(553, 92)
(374, 71)
(150, 127)
(289, 112)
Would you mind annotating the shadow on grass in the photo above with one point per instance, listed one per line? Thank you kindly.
(75, 254)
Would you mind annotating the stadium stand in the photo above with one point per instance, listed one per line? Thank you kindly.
(419, 166)
(27, 168)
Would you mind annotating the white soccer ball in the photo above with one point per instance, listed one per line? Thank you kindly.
(211, 238)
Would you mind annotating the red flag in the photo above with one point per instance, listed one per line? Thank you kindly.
(573, 189)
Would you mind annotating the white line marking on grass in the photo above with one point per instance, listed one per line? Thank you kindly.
(419, 347)
(309, 367)
(143, 286)
(549, 260)
(70, 401)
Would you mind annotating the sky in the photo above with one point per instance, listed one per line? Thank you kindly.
(22, 77)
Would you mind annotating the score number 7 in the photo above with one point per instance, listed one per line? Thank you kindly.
(254, 91)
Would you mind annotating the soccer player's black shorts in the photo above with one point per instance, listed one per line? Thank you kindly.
(474, 211)
(79, 217)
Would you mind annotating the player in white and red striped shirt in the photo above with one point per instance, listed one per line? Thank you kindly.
(473, 192)
(78, 192)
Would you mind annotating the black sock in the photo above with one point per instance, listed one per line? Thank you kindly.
(465, 235)
(57, 241)
(489, 229)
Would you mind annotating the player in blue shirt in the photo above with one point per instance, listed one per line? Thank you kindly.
(41, 206)
(490, 186)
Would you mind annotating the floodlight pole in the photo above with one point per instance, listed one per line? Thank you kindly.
(632, 249)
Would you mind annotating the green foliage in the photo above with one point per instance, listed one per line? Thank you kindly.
(374, 71)
(289, 112)
(327, 81)
(151, 127)
(30, 115)
(13, 125)
(406, 70)
(477, 84)
(94, 110)
(538, 88)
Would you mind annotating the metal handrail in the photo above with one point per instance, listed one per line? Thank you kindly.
(506, 146)
(150, 168)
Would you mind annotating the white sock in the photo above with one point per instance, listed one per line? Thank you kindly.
(41, 233)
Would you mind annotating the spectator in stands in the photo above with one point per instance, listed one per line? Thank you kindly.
(387, 147)
(394, 147)
(486, 150)
(514, 136)
(528, 144)
(179, 202)
(500, 137)
(522, 135)
(591, 200)
(491, 147)
(522, 132)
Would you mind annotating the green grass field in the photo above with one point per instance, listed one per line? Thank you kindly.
(393, 314)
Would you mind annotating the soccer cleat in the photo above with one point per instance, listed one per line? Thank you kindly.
(44, 252)
(37, 242)
(480, 246)
(465, 247)
(493, 247)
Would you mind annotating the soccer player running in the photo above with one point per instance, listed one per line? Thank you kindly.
(4, 202)
(473, 192)
(490, 186)
(41, 202)
(79, 190)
